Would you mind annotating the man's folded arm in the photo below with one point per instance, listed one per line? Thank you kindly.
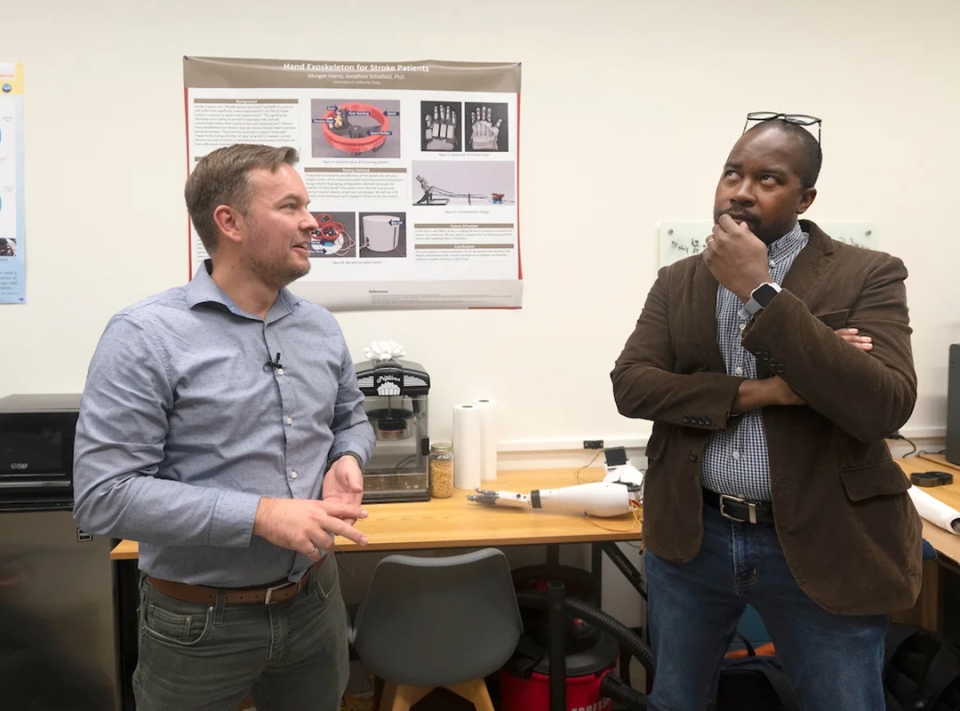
(871, 394)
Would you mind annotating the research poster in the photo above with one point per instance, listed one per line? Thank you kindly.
(411, 168)
(12, 246)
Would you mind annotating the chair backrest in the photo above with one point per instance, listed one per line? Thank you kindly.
(439, 621)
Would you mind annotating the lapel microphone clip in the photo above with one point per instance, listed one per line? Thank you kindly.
(273, 364)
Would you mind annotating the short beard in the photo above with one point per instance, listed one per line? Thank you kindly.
(274, 275)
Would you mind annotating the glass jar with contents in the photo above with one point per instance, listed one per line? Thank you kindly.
(441, 470)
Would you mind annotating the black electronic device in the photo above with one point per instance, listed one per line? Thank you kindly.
(36, 451)
(615, 456)
(952, 451)
(932, 478)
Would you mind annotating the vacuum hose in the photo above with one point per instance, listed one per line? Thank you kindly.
(610, 686)
(614, 688)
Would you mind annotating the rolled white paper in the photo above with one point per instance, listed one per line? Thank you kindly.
(488, 438)
(467, 455)
(935, 511)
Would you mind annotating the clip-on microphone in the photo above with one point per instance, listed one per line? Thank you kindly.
(274, 364)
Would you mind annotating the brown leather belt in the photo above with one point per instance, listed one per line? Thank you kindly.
(204, 595)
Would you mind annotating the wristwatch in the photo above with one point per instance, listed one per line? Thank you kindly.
(760, 298)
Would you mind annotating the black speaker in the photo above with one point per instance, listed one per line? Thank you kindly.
(953, 406)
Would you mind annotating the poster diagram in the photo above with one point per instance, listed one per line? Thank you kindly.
(411, 168)
(357, 129)
(12, 246)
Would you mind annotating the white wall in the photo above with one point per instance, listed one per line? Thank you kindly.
(628, 110)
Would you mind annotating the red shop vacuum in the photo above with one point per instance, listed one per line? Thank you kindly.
(562, 621)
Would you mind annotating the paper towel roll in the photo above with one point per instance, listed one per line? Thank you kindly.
(488, 438)
(466, 446)
(935, 511)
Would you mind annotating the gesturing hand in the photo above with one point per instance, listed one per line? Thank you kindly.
(343, 482)
(441, 129)
(307, 525)
(736, 257)
(484, 136)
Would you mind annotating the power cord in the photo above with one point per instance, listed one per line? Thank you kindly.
(897, 435)
(576, 474)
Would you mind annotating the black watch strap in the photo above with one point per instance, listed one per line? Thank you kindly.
(345, 454)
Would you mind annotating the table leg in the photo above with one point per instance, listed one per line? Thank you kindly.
(628, 569)
(596, 566)
(553, 554)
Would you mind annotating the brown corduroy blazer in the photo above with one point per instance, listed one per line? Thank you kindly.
(849, 531)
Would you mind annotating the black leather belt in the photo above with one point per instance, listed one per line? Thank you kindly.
(737, 509)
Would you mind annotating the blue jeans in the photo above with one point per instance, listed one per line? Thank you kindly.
(834, 662)
(291, 656)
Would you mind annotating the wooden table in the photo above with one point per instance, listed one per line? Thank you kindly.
(928, 611)
(456, 522)
(946, 543)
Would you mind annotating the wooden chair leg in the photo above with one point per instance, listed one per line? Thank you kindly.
(389, 693)
(475, 692)
(400, 697)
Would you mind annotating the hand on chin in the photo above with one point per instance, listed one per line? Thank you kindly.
(736, 257)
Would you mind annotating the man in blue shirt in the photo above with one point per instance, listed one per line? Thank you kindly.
(222, 428)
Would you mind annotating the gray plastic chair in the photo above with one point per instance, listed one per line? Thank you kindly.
(430, 622)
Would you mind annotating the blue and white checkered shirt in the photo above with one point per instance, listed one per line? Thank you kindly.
(735, 461)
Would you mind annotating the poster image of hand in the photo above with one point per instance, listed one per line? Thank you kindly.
(486, 129)
(441, 126)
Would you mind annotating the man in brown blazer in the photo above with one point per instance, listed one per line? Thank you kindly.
(773, 366)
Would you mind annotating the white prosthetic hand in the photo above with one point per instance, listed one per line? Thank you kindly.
(441, 130)
(484, 135)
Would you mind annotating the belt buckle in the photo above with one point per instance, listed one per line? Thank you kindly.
(268, 600)
(751, 508)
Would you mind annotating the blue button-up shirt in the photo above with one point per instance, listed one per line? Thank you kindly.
(735, 460)
(183, 428)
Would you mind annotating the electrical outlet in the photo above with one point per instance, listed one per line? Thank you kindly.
(593, 444)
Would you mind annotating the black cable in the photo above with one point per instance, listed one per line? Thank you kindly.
(898, 436)
(614, 688)
(913, 451)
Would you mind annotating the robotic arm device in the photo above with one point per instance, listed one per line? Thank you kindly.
(619, 493)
